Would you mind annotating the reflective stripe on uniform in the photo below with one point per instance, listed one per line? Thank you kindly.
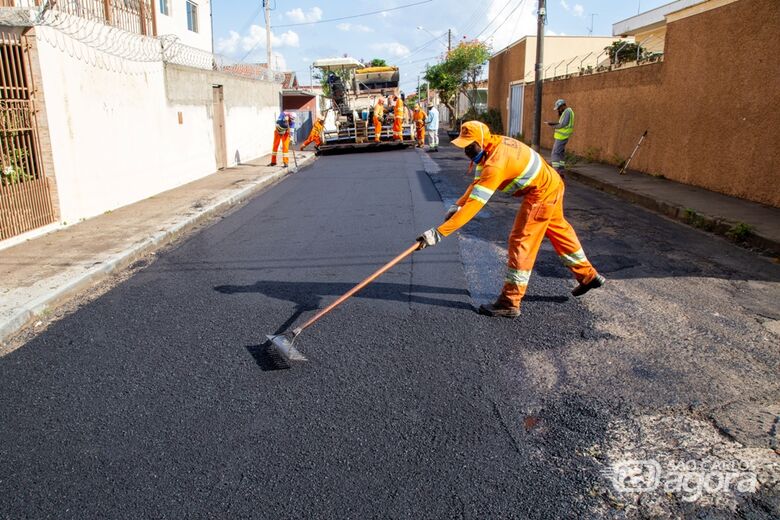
(478, 171)
(517, 276)
(533, 167)
(575, 258)
(481, 194)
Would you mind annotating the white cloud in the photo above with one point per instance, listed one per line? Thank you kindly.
(256, 39)
(298, 16)
(577, 10)
(394, 49)
(230, 44)
(354, 28)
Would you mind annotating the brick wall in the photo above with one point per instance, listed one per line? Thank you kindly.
(710, 108)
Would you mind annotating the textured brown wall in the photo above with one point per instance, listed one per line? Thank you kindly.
(505, 68)
(712, 108)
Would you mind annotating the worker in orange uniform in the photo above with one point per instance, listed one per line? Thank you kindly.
(379, 114)
(512, 167)
(315, 136)
(285, 124)
(398, 118)
(419, 125)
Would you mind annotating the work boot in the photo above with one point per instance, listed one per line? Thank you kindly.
(284, 166)
(582, 288)
(271, 164)
(493, 310)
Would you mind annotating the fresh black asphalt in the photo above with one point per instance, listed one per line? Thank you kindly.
(160, 399)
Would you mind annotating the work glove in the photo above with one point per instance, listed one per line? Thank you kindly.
(429, 238)
(451, 212)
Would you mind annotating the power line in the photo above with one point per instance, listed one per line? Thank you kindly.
(519, 6)
(355, 15)
(494, 19)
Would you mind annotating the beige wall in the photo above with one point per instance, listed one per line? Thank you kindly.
(709, 107)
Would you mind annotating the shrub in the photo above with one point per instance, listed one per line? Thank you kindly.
(491, 117)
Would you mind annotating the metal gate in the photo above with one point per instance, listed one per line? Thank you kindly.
(516, 93)
(25, 201)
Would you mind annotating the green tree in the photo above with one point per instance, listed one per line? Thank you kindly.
(622, 52)
(377, 62)
(459, 72)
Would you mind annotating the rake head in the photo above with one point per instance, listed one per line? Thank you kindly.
(283, 344)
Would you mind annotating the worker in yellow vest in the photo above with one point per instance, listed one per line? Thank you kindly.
(564, 128)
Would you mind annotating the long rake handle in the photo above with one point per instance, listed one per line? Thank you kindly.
(379, 272)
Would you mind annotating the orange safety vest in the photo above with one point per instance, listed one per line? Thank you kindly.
(508, 166)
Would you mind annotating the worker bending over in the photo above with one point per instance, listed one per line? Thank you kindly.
(419, 125)
(512, 167)
(315, 136)
(284, 127)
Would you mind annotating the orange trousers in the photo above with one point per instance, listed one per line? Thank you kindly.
(285, 140)
(398, 129)
(377, 129)
(421, 135)
(312, 139)
(539, 217)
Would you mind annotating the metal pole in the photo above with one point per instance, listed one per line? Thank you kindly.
(267, 6)
(538, 79)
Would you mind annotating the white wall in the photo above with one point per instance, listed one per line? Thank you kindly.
(176, 23)
(114, 124)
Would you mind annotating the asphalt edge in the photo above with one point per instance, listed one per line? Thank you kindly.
(28, 312)
(696, 220)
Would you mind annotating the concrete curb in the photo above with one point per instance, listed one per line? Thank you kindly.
(710, 223)
(29, 311)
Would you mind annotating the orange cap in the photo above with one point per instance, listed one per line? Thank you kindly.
(471, 131)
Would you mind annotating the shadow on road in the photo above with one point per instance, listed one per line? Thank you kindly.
(307, 296)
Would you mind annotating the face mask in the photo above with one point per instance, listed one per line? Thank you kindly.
(478, 157)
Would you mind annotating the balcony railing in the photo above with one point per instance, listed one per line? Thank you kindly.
(135, 16)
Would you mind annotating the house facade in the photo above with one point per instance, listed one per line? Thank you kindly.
(108, 106)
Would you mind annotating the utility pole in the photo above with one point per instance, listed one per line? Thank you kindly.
(267, 6)
(541, 16)
(449, 40)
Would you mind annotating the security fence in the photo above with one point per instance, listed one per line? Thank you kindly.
(25, 201)
(178, 53)
(135, 16)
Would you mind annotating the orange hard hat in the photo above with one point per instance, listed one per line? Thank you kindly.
(471, 131)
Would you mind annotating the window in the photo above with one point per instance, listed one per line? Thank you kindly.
(192, 16)
(165, 8)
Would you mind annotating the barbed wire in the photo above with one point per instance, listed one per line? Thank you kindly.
(116, 50)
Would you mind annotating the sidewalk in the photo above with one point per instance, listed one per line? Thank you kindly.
(40, 273)
(695, 206)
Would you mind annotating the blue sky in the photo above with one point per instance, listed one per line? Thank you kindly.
(393, 34)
